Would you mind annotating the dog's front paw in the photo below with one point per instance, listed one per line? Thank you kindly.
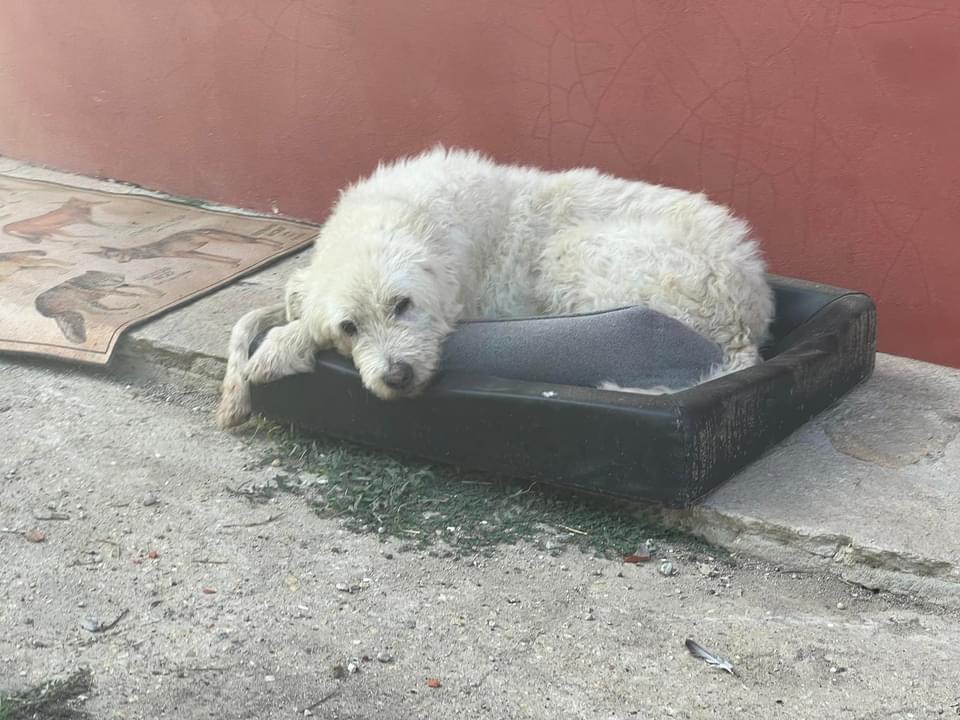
(284, 352)
(264, 367)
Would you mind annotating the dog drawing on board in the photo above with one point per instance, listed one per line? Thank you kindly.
(71, 301)
(449, 235)
(52, 226)
(186, 245)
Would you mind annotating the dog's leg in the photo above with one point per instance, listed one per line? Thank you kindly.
(235, 392)
(286, 350)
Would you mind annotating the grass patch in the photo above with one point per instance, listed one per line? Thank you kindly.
(54, 700)
(454, 511)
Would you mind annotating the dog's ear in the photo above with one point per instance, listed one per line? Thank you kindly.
(296, 289)
(448, 286)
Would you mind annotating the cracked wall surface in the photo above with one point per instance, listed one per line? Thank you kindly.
(832, 126)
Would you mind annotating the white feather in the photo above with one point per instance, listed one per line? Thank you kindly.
(699, 651)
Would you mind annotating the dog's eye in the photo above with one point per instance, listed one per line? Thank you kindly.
(348, 328)
(402, 306)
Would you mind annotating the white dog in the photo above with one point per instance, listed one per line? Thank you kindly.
(449, 235)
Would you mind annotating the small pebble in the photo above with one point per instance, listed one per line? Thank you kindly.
(269, 678)
(353, 668)
(148, 499)
(841, 606)
(666, 568)
(384, 657)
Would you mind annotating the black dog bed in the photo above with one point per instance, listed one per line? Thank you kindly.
(671, 448)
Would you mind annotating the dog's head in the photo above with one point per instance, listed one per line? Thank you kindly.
(388, 302)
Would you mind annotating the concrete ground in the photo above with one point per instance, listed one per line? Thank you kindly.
(246, 610)
(861, 499)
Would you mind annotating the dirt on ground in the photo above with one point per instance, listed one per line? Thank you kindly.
(160, 568)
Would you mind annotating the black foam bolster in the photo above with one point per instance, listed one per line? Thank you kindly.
(632, 347)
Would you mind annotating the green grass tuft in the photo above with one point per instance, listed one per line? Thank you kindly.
(453, 511)
(54, 700)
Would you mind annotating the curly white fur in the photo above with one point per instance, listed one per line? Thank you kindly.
(449, 235)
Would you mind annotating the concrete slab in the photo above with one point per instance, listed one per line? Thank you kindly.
(228, 608)
(872, 486)
(869, 490)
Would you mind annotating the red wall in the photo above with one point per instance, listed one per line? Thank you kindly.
(834, 127)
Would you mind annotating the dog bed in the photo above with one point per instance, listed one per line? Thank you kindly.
(493, 409)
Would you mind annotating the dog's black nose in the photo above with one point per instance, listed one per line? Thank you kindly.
(399, 376)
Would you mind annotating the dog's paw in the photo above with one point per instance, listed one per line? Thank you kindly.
(282, 353)
(263, 370)
(263, 367)
(235, 406)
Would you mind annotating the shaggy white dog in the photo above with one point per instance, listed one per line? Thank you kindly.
(449, 235)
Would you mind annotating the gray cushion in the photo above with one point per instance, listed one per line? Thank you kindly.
(632, 347)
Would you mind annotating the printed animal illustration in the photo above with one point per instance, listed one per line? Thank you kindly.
(12, 262)
(186, 244)
(51, 225)
(69, 302)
